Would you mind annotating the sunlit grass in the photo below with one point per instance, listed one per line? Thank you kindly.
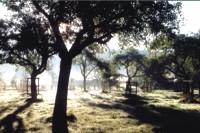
(96, 112)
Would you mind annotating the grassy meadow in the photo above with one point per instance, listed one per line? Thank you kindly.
(159, 111)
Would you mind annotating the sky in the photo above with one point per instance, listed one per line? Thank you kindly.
(190, 11)
(191, 23)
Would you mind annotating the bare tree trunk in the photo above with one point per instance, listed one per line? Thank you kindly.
(192, 90)
(199, 88)
(33, 86)
(60, 108)
(84, 83)
(98, 84)
(128, 86)
(187, 89)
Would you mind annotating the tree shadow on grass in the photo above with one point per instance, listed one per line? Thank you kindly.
(164, 119)
(134, 100)
(8, 105)
(13, 123)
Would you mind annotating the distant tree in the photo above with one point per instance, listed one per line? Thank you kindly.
(86, 66)
(23, 80)
(50, 70)
(14, 83)
(71, 84)
(97, 76)
(2, 82)
(106, 69)
(109, 75)
(90, 22)
(131, 61)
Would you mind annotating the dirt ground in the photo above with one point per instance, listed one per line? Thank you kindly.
(94, 112)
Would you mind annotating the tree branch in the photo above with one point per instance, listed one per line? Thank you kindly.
(90, 71)
(25, 61)
(16, 37)
(61, 48)
(38, 7)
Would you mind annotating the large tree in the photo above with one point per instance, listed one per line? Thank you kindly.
(160, 51)
(87, 23)
(26, 44)
(186, 61)
(178, 55)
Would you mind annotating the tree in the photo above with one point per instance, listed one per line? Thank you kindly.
(86, 66)
(53, 75)
(178, 55)
(2, 82)
(97, 76)
(28, 45)
(131, 61)
(186, 60)
(14, 83)
(106, 69)
(90, 22)
(109, 76)
(160, 51)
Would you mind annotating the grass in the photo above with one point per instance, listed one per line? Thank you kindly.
(94, 112)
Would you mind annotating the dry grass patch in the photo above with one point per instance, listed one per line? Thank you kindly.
(96, 112)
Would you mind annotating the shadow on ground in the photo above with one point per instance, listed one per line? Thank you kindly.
(12, 123)
(164, 119)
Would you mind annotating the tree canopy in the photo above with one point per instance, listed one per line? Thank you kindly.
(26, 44)
(131, 60)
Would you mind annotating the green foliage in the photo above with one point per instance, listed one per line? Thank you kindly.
(160, 50)
(186, 55)
(96, 22)
(85, 62)
(130, 60)
(177, 55)
(26, 44)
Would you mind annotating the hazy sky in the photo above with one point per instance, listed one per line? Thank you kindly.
(190, 11)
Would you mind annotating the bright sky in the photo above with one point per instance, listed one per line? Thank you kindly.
(190, 11)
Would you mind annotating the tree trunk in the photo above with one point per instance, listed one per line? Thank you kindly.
(192, 91)
(187, 88)
(199, 88)
(128, 86)
(33, 86)
(60, 108)
(98, 84)
(84, 84)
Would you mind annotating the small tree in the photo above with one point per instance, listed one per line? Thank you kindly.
(2, 82)
(107, 70)
(97, 76)
(14, 83)
(109, 75)
(53, 75)
(131, 61)
(86, 66)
